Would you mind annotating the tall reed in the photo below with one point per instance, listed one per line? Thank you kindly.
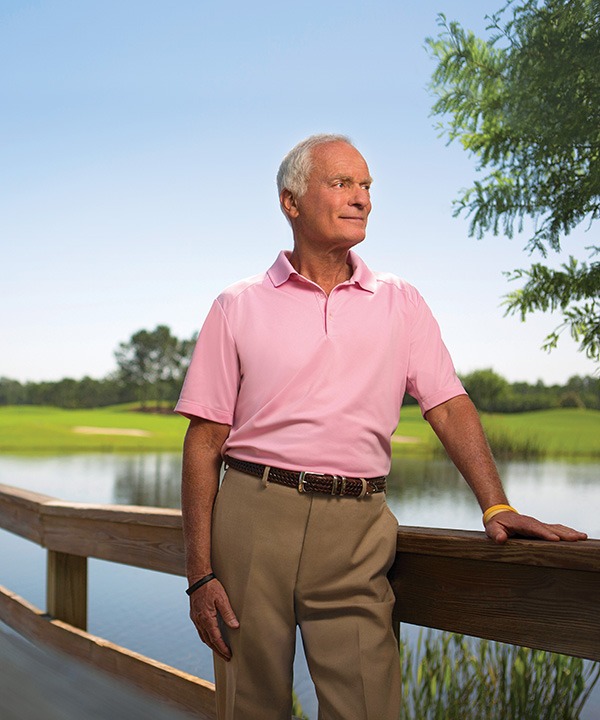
(508, 444)
(297, 712)
(451, 677)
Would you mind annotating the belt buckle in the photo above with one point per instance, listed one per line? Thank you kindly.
(338, 482)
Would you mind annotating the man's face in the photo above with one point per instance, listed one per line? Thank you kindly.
(333, 212)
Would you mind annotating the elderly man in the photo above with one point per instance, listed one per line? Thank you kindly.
(296, 384)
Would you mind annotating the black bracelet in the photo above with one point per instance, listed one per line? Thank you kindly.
(200, 583)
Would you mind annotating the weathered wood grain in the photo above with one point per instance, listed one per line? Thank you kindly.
(476, 545)
(66, 588)
(538, 594)
(148, 538)
(20, 512)
(545, 608)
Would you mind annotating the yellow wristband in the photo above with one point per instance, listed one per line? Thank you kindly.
(494, 510)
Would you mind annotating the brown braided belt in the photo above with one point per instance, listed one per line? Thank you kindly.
(311, 482)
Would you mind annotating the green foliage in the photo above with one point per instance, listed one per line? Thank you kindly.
(297, 711)
(492, 393)
(67, 393)
(450, 677)
(551, 290)
(525, 103)
(508, 444)
(151, 366)
(485, 388)
(581, 392)
(153, 361)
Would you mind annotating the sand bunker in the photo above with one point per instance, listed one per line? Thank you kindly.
(133, 432)
(405, 439)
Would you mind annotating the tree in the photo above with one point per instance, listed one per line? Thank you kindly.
(11, 392)
(154, 362)
(525, 102)
(486, 388)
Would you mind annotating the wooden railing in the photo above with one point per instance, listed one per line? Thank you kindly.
(538, 594)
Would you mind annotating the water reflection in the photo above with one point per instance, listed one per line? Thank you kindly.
(149, 479)
(154, 479)
(415, 477)
(421, 492)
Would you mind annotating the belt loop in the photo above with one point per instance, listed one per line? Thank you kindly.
(365, 487)
(265, 476)
(301, 488)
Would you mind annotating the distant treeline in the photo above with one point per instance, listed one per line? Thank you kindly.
(489, 391)
(67, 393)
(152, 364)
(492, 393)
(150, 369)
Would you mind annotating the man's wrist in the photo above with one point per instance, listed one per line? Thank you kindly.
(199, 583)
(495, 510)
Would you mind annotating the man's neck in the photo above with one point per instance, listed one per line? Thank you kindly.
(326, 270)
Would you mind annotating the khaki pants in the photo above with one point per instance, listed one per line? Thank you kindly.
(314, 560)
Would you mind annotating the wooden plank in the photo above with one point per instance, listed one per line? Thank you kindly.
(132, 514)
(157, 546)
(20, 512)
(38, 682)
(66, 588)
(540, 607)
(517, 551)
(180, 689)
(149, 538)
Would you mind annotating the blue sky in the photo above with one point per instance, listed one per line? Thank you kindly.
(139, 142)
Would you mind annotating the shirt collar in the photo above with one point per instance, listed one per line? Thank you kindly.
(361, 274)
(282, 269)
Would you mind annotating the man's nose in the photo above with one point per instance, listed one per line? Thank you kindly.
(360, 197)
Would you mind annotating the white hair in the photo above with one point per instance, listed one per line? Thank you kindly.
(296, 165)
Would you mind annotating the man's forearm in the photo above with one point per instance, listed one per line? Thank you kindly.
(200, 482)
(458, 426)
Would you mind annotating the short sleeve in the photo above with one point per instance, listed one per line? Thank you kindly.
(431, 377)
(211, 383)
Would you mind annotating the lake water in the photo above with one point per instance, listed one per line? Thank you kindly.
(148, 611)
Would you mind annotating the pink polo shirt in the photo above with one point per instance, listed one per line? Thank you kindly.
(315, 383)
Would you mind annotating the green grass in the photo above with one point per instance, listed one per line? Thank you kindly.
(48, 429)
(567, 432)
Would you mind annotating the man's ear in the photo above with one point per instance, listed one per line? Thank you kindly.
(288, 204)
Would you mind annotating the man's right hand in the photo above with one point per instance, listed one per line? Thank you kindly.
(206, 604)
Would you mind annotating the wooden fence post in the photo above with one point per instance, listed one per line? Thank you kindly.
(66, 588)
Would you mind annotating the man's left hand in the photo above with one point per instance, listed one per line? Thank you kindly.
(508, 524)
